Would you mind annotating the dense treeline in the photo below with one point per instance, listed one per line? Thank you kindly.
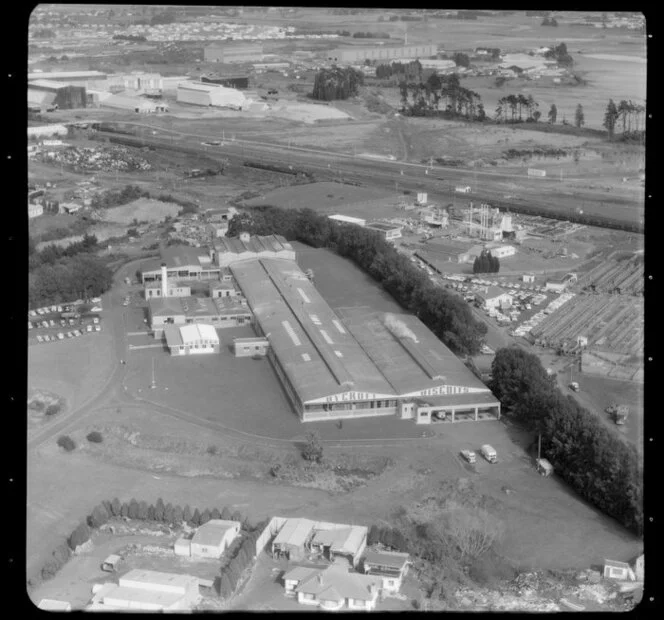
(441, 91)
(371, 35)
(447, 315)
(337, 83)
(116, 197)
(560, 54)
(407, 71)
(517, 104)
(485, 263)
(598, 465)
(628, 115)
(61, 274)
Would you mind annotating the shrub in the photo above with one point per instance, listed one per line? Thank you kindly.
(94, 437)
(178, 514)
(212, 450)
(143, 510)
(66, 442)
(159, 510)
(37, 405)
(133, 509)
(53, 409)
(79, 536)
(98, 517)
(313, 448)
(50, 568)
(116, 507)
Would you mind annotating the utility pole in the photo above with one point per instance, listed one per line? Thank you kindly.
(153, 385)
(539, 446)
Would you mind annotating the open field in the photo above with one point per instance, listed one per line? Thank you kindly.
(320, 196)
(143, 209)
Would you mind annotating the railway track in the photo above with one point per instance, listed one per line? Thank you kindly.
(534, 199)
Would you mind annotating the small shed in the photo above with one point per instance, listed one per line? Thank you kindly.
(50, 604)
(213, 538)
(110, 564)
(616, 570)
(544, 467)
(182, 547)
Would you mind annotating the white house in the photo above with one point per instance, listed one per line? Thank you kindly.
(503, 251)
(35, 210)
(390, 566)
(493, 297)
(333, 588)
(213, 538)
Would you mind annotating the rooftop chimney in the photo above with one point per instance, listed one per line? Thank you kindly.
(164, 280)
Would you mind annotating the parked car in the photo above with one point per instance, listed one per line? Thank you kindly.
(32, 313)
(97, 328)
(70, 335)
(96, 309)
(574, 386)
(51, 323)
(39, 338)
(71, 321)
(61, 336)
(96, 300)
(469, 455)
(88, 328)
(44, 324)
(59, 309)
(96, 320)
(29, 325)
(63, 323)
(77, 332)
(54, 308)
(40, 311)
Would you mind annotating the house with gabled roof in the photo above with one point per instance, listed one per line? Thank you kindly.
(333, 588)
(390, 566)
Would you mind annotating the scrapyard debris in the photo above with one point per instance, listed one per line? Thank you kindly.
(114, 158)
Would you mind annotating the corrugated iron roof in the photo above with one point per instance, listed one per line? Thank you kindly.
(213, 532)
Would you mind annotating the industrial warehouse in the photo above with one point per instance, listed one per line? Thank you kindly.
(359, 54)
(372, 364)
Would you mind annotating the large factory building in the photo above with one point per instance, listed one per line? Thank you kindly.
(211, 95)
(369, 364)
(56, 94)
(229, 53)
(350, 55)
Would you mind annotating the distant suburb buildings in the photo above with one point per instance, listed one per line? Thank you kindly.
(349, 55)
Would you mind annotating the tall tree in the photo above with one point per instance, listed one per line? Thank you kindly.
(553, 114)
(610, 118)
(579, 118)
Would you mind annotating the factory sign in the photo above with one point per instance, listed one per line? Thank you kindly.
(346, 397)
(446, 390)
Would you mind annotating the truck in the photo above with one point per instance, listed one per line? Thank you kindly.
(489, 453)
(469, 455)
(574, 386)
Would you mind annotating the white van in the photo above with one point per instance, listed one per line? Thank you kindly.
(489, 453)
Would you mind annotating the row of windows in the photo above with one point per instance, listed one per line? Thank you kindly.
(370, 404)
